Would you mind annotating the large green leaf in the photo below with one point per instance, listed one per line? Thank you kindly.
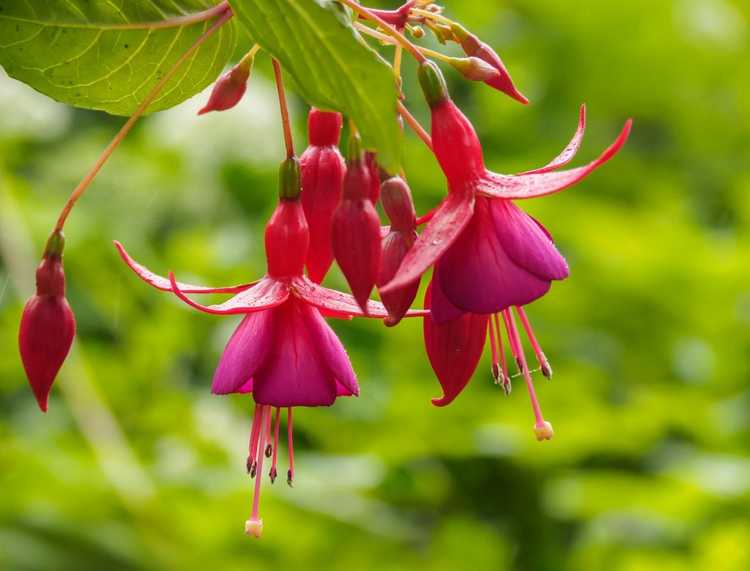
(331, 65)
(76, 51)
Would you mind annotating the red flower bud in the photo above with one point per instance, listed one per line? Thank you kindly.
(323, 172)
(397, 18)
(356, 230)
(475, 47)
(475, 69)
(47, 324)
(228, 89)
(399, 207)
(287, 237)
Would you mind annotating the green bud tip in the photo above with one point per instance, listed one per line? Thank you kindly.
(469, 42)
(289, 179)
(55, 245)
(433, 83)
(354, 151)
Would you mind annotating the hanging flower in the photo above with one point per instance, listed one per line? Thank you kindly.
(48, 325)
(283, 351)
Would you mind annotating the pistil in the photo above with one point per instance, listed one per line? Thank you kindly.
(254, 525)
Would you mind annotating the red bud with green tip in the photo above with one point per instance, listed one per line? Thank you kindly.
(323, 172)
(475, 69)
(475, 47)
(374, 168)
(356, 228)
(398, 205)
(47, 324)
(229, 88)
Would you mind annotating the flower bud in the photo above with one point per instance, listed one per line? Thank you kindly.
(287, 237)
(374, 168)
(433, 83)
(356, 229)
(399, 207)
(474, 69)
(229, 88)
(47, 324)
(397, 18)
(474, 47)
(323, 172)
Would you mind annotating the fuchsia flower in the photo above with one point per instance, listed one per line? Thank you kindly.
(48, 325)
(283, 351)
(356, 227)
(488, 254)
(323, 172)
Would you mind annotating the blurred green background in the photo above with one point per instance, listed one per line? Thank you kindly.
(137, 466)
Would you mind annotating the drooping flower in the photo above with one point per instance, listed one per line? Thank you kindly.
(283, 351)
(48, 325)
(488, 254)
(356, 227)
(229, 89)
(323, 172)
(402, 233)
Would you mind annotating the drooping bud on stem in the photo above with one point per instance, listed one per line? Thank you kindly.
(230, 87)
(356, 227)
(474, 47)
(399, 207)
(47, 325)
(323, 169)
(433, 83)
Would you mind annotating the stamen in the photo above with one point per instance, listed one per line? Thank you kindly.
(269, 446)
(290, 446)
(493, 348)
(253, 444)
(542, 428)
(277, 421)
(495, 322)
(515, 345)
(254, 525)
(540, 357)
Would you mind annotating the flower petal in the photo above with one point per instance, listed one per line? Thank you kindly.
(438, 235)
(334, 303)
(540, 184)
(476, 273)
(162, 283)
(244, 353)
(333, 354)
(568, 152)
(294, 372)
(526, 242)
(266, 294)
(441, 309)
(454, 349)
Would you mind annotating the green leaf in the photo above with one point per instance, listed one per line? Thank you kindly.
(77, 51)
(330, 64)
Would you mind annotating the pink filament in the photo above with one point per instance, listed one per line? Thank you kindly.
(503, 363)
(277, 422)
(265, 413)
(515, 340)
(290, 445)
(253, 446)
(532, 338)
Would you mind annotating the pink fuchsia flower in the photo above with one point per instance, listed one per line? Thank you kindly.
(356, 227)
(488, 254)
(48, 325)
(454, 348)
(400, 237)
(229, 89)
(323, 172)
(283, 351)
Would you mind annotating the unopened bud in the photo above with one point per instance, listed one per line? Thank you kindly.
(433, 83)
(417, 32)
(324, 127)
(543, 431)
(229, 88)
(474, 69)
(47, 325)
(398, 204)
(290, 184)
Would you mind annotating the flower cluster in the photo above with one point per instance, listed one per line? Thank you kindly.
(488, 258)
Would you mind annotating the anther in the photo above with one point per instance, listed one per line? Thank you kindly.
(272, 474)
(250, 464)
(290, 478)
(269, 450)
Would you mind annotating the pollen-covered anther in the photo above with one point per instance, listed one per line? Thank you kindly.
(272, 475)
(250, 465)
(546, 369)
(254, 528)
(269, 450)
(290, 478)
(543, 431)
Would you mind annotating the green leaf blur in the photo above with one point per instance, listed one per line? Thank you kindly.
(75, 51)
(138, 467)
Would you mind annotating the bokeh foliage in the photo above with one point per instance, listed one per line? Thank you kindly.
(138, 467)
